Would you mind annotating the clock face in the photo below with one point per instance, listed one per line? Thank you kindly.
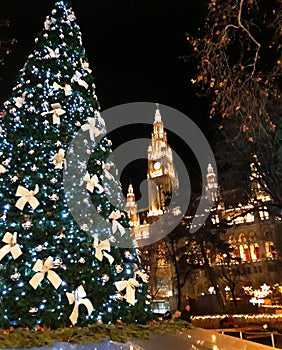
(157, 165)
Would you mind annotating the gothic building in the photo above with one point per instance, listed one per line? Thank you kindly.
(253, 235)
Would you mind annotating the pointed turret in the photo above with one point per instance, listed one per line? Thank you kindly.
(212, 188)
(131, 207)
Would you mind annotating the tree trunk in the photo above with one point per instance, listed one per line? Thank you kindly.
(212, 277)
(178, 283)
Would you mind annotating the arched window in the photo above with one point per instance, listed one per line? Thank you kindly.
(263, 213)
(243, 248)
(255, 251)
(241, 238)
(234, 246)
(270, 251)
(268, 236)
(236, 252)
(244, 252)
(254, 247)
(247, 253)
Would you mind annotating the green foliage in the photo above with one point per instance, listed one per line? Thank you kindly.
(22, 338)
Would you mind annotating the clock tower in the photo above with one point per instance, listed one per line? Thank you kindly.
(161, 175)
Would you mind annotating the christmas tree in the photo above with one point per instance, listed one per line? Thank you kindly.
(65, 249)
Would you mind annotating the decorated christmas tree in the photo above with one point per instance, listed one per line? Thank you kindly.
(66, 256)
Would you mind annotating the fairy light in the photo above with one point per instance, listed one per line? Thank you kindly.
(257, 295)
(239, 318)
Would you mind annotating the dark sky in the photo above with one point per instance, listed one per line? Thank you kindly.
(133, 47)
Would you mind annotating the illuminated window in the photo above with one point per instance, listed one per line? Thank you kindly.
(264, 214)
(252, 251)
(236, 252)
(250, 217)
(254, 247)
(243, 248)
(247, 253)
(270, 251)
(257, 252)
(239, 220)
(215, 219)
(241, 238)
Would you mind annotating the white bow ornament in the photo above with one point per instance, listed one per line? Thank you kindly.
(93, 131)
(49, 22)
(115, 215)
(100, 250)
(67, 88)
(129, 285)
(19, 101)
(43, 268)
(57, 112)
(11, 246)
(53, 53)
(59, 159)
(143, 275)
(2, 169)
(77, 78)
(85, 66)
(93, 182)
(27, 197)
(71, 17)
(78, 298)
(106, 167)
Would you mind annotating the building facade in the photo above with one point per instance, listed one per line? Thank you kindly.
(252, 234)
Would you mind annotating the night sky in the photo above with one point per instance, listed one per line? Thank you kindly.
(134, 50)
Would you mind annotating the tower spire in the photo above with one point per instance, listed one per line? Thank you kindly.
(158, 117)
(131, 207)
(212, 185)
(160, 168)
